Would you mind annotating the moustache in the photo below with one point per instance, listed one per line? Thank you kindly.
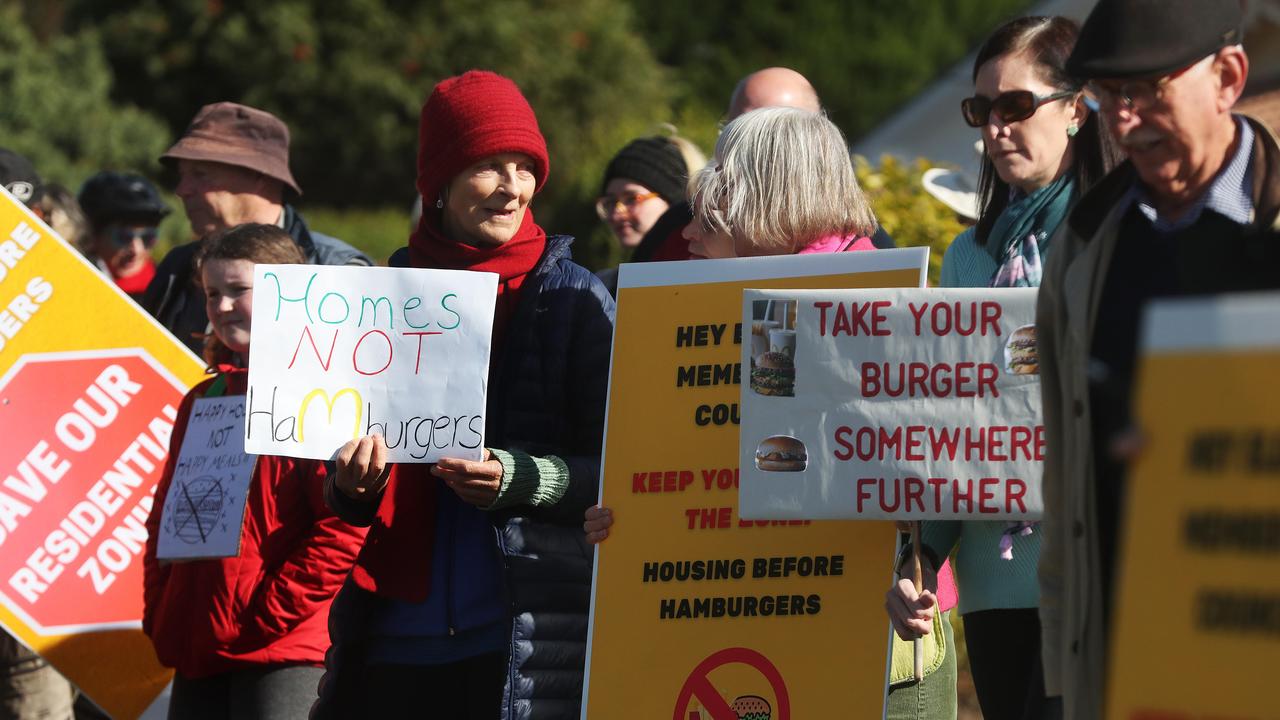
(1138, 138)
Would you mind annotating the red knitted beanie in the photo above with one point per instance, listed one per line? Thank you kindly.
(470, 117)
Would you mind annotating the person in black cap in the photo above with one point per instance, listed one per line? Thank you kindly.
(642, 181)
(19, 177)
(124, 211)
(1192, 212)
(643, 193)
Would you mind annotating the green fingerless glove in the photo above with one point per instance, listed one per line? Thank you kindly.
(529, 480)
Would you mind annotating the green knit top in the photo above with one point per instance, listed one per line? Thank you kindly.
(984, 580)
(967, 264)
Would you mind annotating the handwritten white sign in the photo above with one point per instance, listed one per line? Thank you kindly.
(343, 352)
(204, 508)
(891, 404)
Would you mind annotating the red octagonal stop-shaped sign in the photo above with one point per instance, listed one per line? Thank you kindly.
(85, 439)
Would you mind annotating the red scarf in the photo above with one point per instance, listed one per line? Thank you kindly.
(512, 260)
(396, 558)
(135, 284)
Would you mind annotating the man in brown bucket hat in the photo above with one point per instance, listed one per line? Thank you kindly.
(233, 168)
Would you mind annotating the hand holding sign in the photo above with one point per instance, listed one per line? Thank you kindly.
(912, 611)
(362, 468)
(475, 482)
(362, 472)
(597, 521)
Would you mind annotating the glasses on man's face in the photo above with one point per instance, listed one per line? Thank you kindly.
(606, 205)
(1131, 96)
(1134, 95)
(122, 236)
(1009, 107)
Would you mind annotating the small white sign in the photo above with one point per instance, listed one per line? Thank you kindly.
(344, 352)
(891, 404)
(204, 508)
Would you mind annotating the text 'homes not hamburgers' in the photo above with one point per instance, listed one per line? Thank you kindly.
(781, 453)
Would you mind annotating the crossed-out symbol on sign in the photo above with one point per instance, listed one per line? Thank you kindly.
(699, 685)
(201, 503)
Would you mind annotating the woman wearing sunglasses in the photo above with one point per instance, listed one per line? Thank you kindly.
(124, 211)
(1043, 147)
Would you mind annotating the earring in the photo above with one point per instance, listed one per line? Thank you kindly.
(1072, 130)
(440, 201)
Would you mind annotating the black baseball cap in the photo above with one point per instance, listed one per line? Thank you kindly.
(19, 177)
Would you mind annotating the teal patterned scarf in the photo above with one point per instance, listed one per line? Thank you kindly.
(1020, 237)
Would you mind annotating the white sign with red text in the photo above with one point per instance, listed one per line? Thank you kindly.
(349, 352)
(891, 404)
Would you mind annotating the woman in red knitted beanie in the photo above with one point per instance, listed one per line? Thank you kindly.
(464, 559)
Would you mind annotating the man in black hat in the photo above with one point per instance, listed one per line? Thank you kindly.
(233, 168)
(1192, 212)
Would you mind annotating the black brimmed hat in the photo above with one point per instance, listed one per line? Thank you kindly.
(1143, 38)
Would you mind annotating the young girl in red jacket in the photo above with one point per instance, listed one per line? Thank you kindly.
(247, 635)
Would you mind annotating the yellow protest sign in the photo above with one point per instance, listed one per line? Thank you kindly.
(89, 387)
(1196, 629)
(698, 614)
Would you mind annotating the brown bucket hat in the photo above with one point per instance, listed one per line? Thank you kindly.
(234, 134)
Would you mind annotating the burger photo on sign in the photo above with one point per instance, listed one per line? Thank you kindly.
(773, 350)
(781, 453)
(1020, 354)
(774, 374)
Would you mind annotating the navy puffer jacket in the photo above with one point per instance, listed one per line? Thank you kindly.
(546, 397)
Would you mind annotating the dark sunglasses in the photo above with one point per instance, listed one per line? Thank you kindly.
(1010, 106)
(122, 236)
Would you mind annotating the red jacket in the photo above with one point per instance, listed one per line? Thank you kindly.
(270, 604)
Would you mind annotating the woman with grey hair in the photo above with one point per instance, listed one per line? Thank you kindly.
(781, 183)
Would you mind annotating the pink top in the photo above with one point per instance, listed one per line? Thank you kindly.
(947, 595)
(837, 243)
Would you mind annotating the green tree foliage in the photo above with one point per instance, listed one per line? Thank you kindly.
(57, 109)
(381, 231)
(865, 57)
(350, 77)
(911, 215)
